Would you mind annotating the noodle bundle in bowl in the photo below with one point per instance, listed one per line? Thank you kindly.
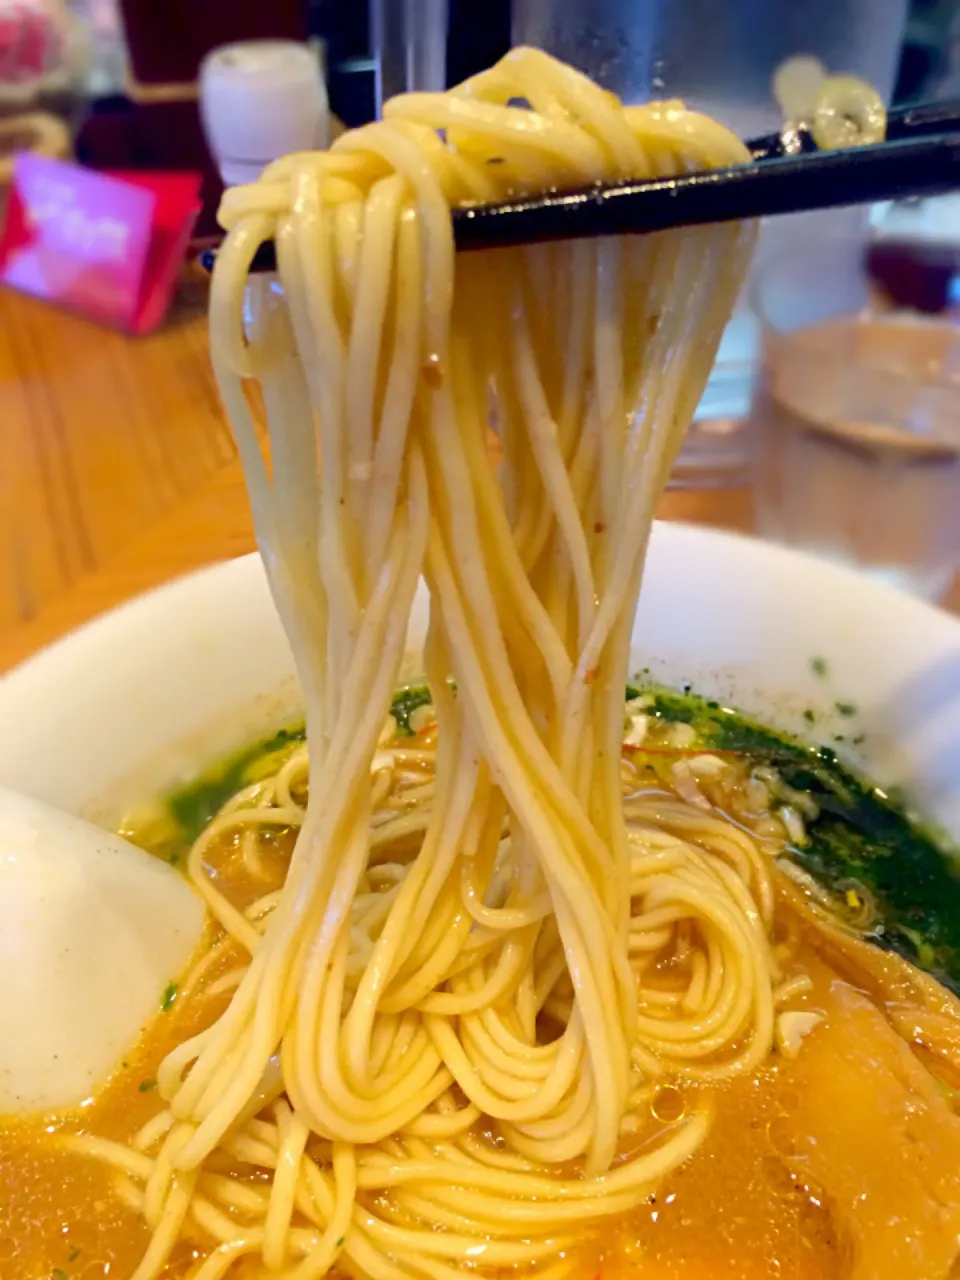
(464, 1031)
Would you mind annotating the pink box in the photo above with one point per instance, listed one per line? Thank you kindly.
(107, 245)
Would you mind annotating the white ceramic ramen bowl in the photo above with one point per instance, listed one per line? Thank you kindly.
(150, 693)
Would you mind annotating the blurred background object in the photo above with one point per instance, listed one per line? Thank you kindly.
(107, 50)
(913, 255)
(857, 422)
(43, 55)
(645, 49)
(259, 100)
(43, 61)
(930, 58)
(409, 44)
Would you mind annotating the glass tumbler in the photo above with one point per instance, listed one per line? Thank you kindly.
(856, 419)
(409, 46)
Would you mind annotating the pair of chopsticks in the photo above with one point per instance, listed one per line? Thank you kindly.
(920, 157)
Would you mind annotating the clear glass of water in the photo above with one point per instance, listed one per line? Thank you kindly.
(409, 39)
(856, 422)
(721, 59)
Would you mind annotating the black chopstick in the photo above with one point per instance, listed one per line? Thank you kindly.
(794, 184)
(921, 156)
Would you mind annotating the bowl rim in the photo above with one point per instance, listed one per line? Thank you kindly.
(163, 684)
(120, 614)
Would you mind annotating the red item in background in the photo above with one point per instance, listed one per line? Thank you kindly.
(32, 39)
(120, 134)
(174, 215)
(107, 245)
(916, 274)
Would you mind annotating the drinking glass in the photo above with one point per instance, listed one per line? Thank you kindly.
(409, 47)
(856, 420)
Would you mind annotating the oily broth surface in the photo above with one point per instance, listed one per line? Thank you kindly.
(740, 1209)
(59, 1211)
(734, 1208)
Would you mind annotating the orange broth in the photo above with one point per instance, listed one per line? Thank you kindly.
(738, 1210)
(807, 1164)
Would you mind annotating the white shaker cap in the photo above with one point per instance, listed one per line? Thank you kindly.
(259, 100)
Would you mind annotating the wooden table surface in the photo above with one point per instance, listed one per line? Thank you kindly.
(118, 470)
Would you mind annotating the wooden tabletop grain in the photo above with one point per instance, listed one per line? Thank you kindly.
(118, 471)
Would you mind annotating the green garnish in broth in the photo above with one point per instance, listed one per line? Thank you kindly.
(861, 833)
(198, 802)
(191, 807)
(194, 805)
(405, 702)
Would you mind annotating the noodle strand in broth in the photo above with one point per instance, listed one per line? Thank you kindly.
(447, 1028)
